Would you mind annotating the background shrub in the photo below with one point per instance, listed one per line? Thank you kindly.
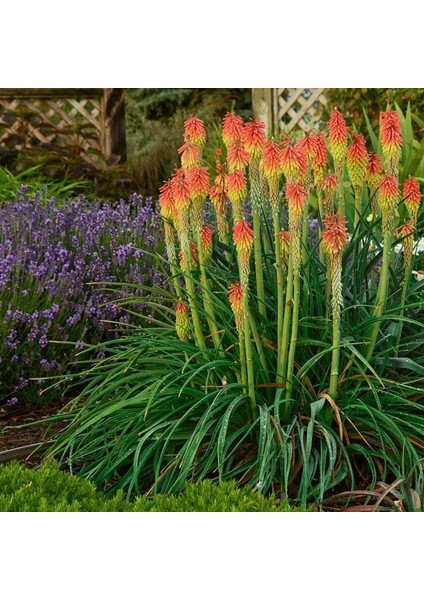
(47, 489)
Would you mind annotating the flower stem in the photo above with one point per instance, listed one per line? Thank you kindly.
(294, 332)
(284, 340)
(381, 293)
(256, 195)
(279, 279)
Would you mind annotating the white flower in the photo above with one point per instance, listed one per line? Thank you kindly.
(419, 276)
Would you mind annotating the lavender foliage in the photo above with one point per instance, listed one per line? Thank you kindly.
(51, 254)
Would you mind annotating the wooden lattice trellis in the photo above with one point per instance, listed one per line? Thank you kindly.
(92, 120)
(286, 108)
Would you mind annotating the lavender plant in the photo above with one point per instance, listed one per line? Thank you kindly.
(51, 257)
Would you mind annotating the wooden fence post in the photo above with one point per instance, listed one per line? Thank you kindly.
(113, 125)
(263, 109)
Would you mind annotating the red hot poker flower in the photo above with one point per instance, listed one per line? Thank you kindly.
(182, 322)
(335, 234)
(243, 241)
(338, 137)
(237, 156)
(412, 195)
(272, 160)
(194, 131)
(254, 138)
(235, 295)
(374, 170)
(330, 183)
(294, 163)
(243, 237)
(391, 135)
(190, 154)
(296, 194)
(232, 128)
(180, 190)
(198, 182)
(388, 197)
(207, 243)
(237, 186)
(166, 201)
(357, 161)
(308, 145)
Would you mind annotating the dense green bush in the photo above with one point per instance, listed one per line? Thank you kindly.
(47, 489)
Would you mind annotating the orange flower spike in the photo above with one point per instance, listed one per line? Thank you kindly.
(388, 197)
(254, 138)
(334, 238)
(391, 136)
(294, 163)
(329, 186)
(243, 241)
(284, 244)
(296, 194)
(320, 160)
(307, 145)
(198, 182)
(235, 295)
(272, 161)
(412, 195)
(207, 243)
(237, 156)
(406, 231)
(190, 154)
(338, 138)
(180, 190)
(374, 170)
(357, 161)
(182, 322)
(194, 257)
(194, 131)
(232, 128)
(407, 228)
(335, 234)
(237, 189)
(166, 201)
(330, 183)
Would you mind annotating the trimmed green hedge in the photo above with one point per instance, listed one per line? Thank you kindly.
(47, 489)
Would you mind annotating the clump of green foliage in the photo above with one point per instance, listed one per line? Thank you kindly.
(48, 489)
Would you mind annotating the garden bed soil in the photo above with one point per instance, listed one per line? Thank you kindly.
(12, 436)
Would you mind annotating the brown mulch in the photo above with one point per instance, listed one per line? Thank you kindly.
(13, 437)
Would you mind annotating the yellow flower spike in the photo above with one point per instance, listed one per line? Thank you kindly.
(182, 322)
(337, 135)
(235, 295)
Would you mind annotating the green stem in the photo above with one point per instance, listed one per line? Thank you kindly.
(335, 354)
(341, 193)
(321, 219)
(279, 279)
(407, 277)
(248, 346)
(260, 290)
(259, 345)
(381, 293)
(242, 352)
(208, 305)
(305, 295)
(358, 206)
(256, 197)
(191, 292)
(284, 341)
(293, 340)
